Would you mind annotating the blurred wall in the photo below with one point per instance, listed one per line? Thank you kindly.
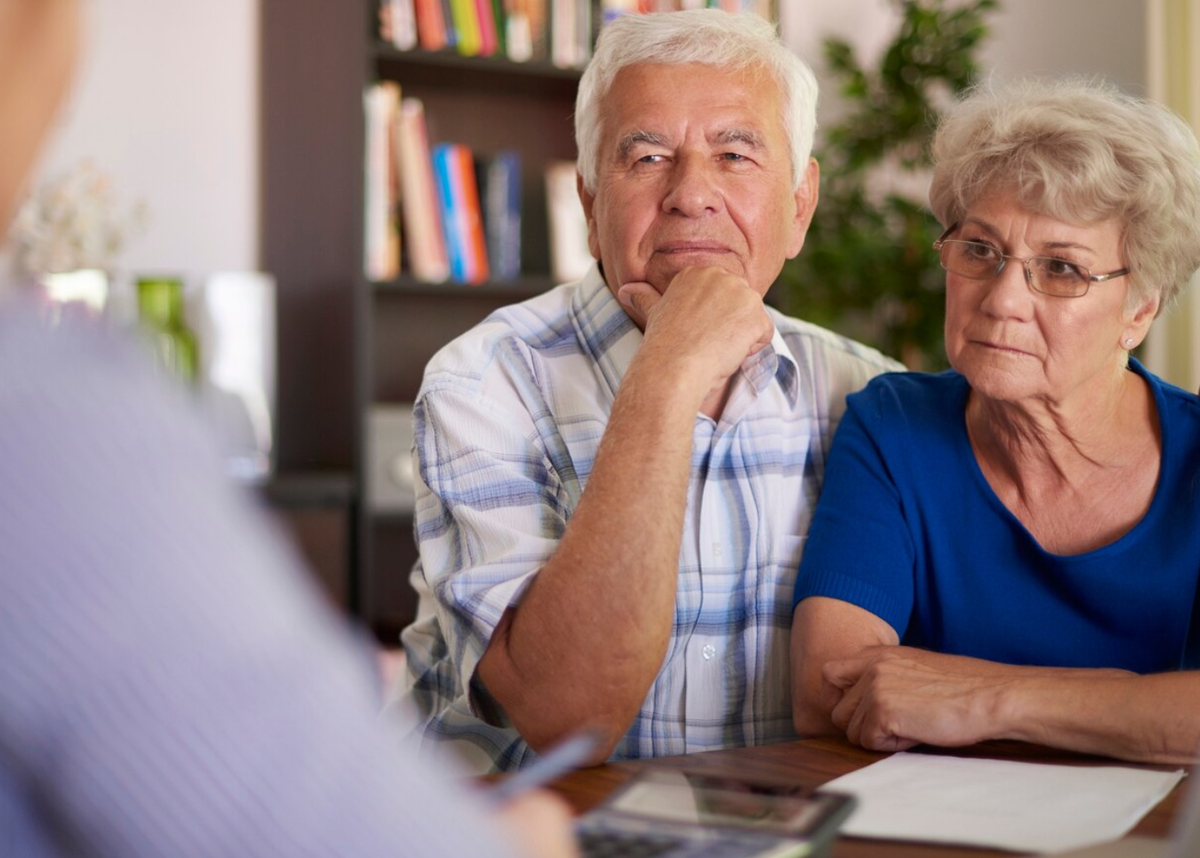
(166, 101)
(1048, 37)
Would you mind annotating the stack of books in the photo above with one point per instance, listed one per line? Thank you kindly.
(455, 215)
(610, 9)
(519, 30)
(557, 30)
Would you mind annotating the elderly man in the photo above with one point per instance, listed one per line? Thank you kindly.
(616, 477)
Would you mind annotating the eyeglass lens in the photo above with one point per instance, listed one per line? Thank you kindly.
(978, 261)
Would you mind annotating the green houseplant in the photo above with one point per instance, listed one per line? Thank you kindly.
(868, 269)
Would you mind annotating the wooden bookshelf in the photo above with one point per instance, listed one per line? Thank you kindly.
(347, 343)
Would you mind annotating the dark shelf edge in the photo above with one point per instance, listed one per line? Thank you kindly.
(521, 288)
(292, 489)
(449, 58)
(391, 517)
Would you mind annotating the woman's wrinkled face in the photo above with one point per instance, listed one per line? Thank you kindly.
(1012, 343)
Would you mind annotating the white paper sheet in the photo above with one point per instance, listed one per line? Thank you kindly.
(1025, 807)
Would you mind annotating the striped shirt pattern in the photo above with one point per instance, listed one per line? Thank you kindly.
(170, 682)
(507, 426)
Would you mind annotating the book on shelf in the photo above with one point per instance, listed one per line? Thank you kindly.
(398, 23)
(381, 228)
(431, 25)
(384, 21)
(501, 27)
(422, 230)
(465, 17)
(571, 33)
(448, 16)
(517, 38)
(460, 216)
(610, 10)
(462, 221)
(561, 31)
(525, 29)
(488, 42)
(498, 178)
(570, 257)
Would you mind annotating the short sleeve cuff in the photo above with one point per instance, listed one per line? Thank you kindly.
(836, 585)
(507, 594)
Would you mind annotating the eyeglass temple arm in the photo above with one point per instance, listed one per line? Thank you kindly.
(937, 245)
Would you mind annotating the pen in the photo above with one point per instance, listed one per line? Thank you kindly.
(560, 759)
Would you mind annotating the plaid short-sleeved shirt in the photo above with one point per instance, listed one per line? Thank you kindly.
(508, 422)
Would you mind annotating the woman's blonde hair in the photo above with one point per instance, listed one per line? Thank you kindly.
(1080, 151)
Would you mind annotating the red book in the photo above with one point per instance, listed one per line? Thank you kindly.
(431, 25)
(488, 42)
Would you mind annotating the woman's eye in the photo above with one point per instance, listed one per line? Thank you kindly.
(981, 251)
(1061, 269)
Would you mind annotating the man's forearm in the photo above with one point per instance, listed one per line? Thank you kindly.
(589, 636)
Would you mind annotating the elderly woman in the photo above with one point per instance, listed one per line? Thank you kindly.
(1011, 549)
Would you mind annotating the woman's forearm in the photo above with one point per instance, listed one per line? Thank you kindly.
(1152, 719)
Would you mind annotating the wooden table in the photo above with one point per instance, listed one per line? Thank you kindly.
(817, 761)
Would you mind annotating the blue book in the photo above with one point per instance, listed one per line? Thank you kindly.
(450, 206)
(499, 182)
(452, 36)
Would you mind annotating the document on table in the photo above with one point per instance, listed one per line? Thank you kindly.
(1004, 804)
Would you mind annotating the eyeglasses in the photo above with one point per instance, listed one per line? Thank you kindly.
(1046, 274)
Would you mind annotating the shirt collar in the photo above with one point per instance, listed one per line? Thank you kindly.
(612, 339)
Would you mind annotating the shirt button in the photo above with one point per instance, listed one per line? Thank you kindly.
(708, 652)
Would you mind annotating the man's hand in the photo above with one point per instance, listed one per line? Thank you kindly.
(708, 320)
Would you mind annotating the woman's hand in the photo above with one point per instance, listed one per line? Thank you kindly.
(895, 697)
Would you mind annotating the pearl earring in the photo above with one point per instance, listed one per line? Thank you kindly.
(1129, 342)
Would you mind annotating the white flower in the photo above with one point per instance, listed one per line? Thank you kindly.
(73, 222)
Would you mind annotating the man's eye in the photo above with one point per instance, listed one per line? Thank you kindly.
(733, 156)
(649, 159)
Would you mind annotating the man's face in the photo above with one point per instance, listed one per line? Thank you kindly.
(695, 170)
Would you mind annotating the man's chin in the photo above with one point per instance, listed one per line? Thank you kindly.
(661, 274)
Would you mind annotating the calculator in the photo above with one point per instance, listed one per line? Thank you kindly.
(677, 814)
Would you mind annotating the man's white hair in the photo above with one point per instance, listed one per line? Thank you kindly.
(736, 42)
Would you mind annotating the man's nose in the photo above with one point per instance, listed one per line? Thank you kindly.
(693, 189)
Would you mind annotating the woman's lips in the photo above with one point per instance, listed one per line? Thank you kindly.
(1001, 347)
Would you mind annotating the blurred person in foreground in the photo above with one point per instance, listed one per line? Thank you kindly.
(1009, 549)
(168, 684)
(616, 477)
